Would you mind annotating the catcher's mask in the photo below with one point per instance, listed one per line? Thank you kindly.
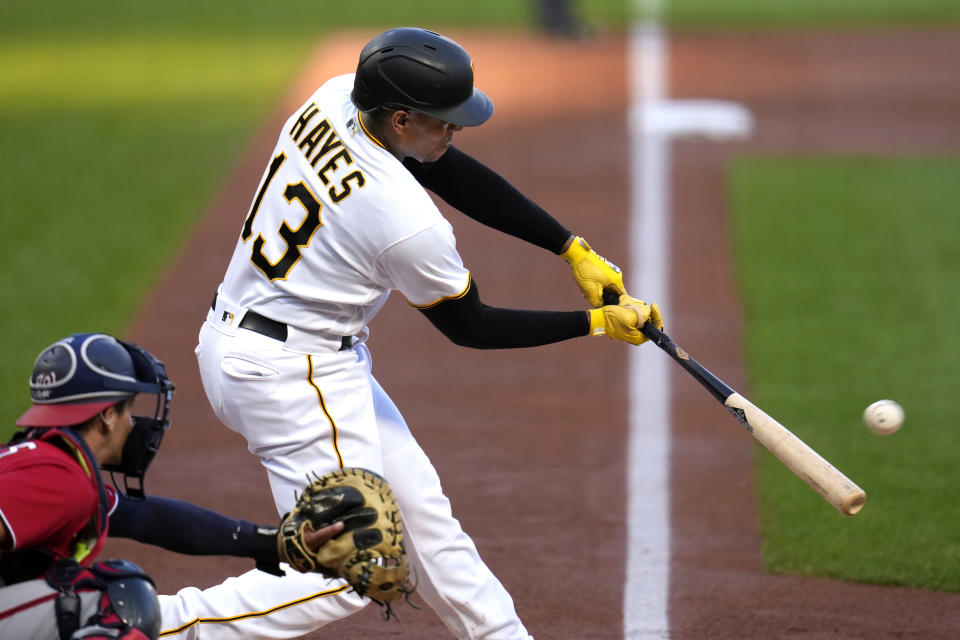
(416, 69)
(76, 378)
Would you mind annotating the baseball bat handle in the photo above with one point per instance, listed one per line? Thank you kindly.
(610, 297)
(715, 385)
(720, 390)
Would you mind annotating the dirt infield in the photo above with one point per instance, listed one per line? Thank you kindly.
(530, 443)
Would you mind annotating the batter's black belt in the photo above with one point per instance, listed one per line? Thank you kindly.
(271, 328)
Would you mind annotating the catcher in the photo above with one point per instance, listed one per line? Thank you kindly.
(56, 512)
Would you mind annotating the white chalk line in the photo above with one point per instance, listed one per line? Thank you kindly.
(654, 120)
(647, 590)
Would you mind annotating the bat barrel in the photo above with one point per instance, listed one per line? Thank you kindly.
(836, 488)
(807, 464)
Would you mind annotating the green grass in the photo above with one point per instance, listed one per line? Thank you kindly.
(848, 274)
(810, 13)
(105, 168)
(291, 19)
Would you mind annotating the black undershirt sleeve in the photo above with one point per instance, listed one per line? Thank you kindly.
(468, 322)
(185, 528)
(482, 194)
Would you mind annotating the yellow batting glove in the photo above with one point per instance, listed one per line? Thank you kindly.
(592, 272)
(623, 321)
(655, 316)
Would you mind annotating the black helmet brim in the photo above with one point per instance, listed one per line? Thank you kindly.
(473, 112)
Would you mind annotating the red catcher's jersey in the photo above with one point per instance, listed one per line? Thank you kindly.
(47, 499)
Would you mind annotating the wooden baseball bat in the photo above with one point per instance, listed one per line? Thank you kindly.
(807, 464)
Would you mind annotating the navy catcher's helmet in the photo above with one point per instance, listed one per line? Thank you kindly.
(423, 71)
(76, 378)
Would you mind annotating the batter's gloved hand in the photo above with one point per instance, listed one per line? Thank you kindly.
(592, 272)
(623, 321)
(368, 553)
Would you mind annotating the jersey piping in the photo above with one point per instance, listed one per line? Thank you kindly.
(368, 133)
(323, 407)
(10, 532)
(456, 296)
(252, 614)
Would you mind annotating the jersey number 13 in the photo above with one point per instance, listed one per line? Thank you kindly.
(295, 239)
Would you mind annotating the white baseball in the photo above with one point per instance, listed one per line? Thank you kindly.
(883, 417)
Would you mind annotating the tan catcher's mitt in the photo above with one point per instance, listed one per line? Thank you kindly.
(369, 552)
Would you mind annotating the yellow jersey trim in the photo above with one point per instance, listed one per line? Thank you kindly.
(81, 551)
(453, 297)
(323, 407)
(253, 614)
(82, 548)
(372, 137)
(78, 454)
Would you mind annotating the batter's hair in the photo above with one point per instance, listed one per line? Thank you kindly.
(379, 115)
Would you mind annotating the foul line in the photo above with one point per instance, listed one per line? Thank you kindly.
(654, 120)
(647, 585)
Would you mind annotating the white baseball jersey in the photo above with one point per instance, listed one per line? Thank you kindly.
(336, 224)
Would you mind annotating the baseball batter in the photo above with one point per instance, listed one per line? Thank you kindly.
(340, 219)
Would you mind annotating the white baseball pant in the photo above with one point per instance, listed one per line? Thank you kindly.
(315, 412)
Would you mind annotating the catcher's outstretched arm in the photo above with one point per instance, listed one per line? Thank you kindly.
(185, 528)
(182, 527)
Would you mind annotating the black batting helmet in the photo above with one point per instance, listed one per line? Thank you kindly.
(422, 71)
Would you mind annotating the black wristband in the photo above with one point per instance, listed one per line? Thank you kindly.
(265, 550)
